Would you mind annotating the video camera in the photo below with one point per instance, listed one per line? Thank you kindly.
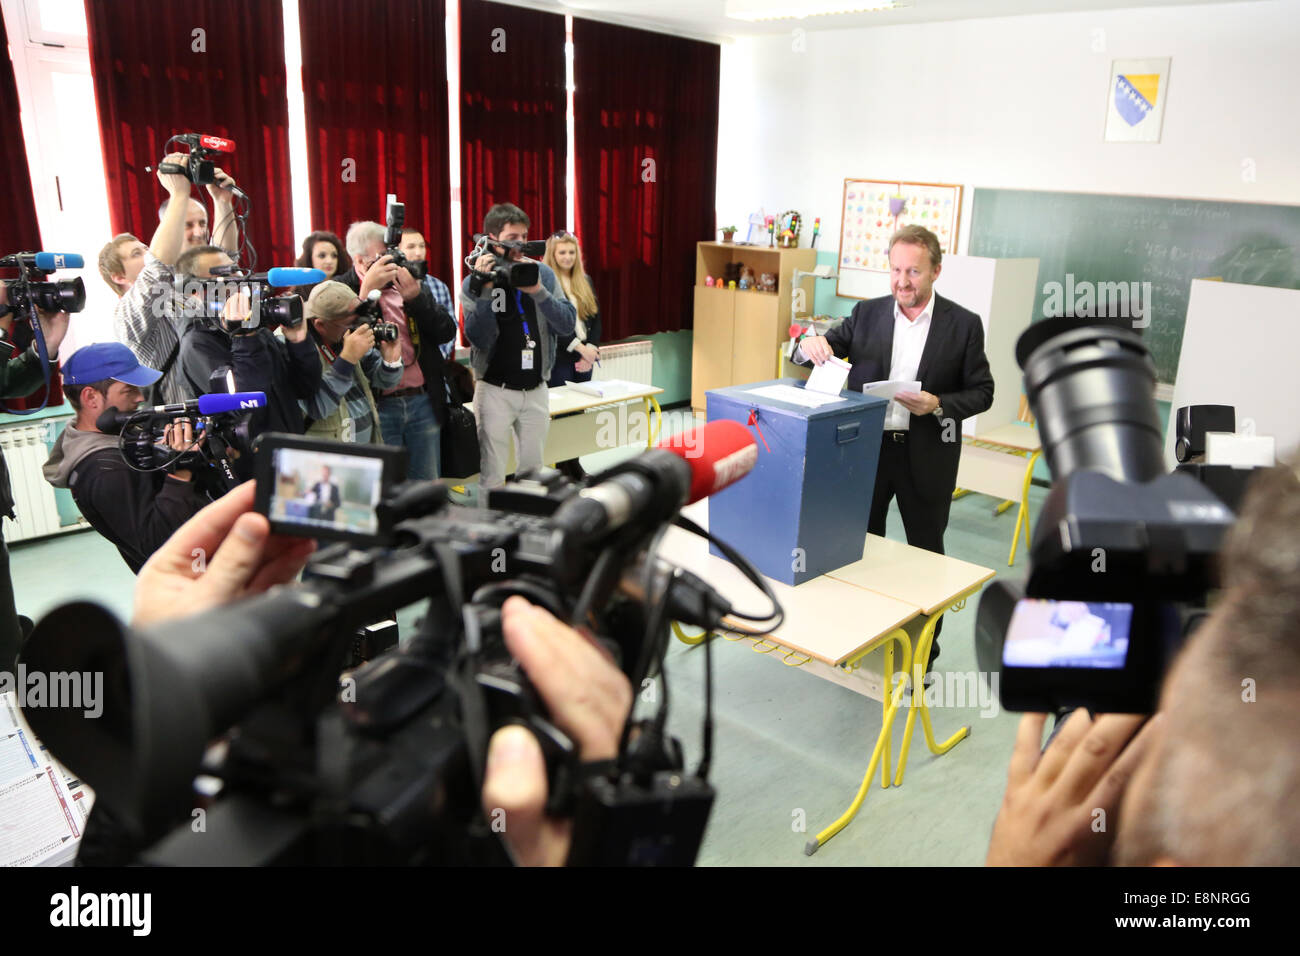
(369, 313)
(31, 291)
(506, 273)
(200, 167)
(222, 417)
(206, 299)
(390, 770)
(395, 219)
(1123, 554)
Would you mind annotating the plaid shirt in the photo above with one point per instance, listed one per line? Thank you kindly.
(148, 322)
(442, 295)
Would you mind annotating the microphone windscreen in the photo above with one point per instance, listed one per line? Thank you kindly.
(719, 453)
(218, 402)
(51, 261)
(285, 276)
(220, 144)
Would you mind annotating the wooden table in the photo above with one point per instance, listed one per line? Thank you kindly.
(833, 622)
(578, 420)
(993, 463)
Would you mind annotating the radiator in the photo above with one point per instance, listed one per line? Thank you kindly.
(629, 362)
(25, 451)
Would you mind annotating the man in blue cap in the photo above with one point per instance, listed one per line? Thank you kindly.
(136, 510)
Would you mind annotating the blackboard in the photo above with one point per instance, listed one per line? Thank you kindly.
(1084, 240)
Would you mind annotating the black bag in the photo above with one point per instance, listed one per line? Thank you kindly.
(460, 453)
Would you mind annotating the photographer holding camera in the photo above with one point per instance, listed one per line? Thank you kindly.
(513, 334)
(353, 368)
(20, 375)
(225, 354)
(135, 510)
(148, 318)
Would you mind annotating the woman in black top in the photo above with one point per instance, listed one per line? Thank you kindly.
(577, 354)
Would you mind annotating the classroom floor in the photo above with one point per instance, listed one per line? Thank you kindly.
(789, 748)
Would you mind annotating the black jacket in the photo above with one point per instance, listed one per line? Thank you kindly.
(953, 367)
(435, 326)
(19, 377)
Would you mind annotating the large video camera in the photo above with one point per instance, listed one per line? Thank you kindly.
(390, 770)
(206, 300)
(369, 313)
(222, 417)
(200, 166)
(32, 292)
(395, 219)
(1123, 554)
(505, 273)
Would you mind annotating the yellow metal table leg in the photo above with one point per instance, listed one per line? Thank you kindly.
(653, 429)
(1022, 516)
(918, 702)
(1003, 507)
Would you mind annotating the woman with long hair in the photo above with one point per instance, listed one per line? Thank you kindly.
(575, 355)
(324, 251)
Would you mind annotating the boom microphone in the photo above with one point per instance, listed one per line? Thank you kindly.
(45, 261)
(287, 276)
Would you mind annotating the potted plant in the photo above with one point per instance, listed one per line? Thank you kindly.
(728, 233)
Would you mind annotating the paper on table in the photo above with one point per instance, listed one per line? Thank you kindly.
(609, 386)
(889, 389)
(796, 396)
(829, 377)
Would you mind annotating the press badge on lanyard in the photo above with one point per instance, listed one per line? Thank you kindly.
(526, 357)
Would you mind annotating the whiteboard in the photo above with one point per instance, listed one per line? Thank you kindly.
(1239, 348)
(872, 211)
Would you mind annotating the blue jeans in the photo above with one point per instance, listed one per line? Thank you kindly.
(409, 421)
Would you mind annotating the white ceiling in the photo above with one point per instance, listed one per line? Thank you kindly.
(705, 19)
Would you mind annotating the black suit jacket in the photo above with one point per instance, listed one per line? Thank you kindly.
(953, 367)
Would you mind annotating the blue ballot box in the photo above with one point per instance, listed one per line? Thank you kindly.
(803, 510)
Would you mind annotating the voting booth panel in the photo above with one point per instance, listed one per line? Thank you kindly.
(803, 510)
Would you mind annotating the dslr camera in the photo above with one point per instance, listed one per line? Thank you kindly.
(394, 220)
(1124, 553)
(369, 313)
(33, 291)
(505, 272)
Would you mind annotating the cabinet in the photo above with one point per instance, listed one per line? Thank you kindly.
(737, 333)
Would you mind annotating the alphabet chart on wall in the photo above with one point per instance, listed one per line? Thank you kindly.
(874, 209)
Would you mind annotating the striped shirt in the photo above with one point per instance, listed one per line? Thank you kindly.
(148, 321)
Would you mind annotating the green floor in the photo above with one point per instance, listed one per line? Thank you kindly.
(790, 748)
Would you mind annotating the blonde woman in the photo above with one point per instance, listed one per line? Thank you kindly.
(575, 355)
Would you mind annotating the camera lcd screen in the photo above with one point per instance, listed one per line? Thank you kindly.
(317, 490)
(1081, 634)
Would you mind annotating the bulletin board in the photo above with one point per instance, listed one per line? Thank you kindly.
(873, 210)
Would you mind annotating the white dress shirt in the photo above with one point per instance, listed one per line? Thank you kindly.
(909, 343)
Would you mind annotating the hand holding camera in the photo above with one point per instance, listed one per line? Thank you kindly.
(379, 275)
(177, 184)
(357, 342)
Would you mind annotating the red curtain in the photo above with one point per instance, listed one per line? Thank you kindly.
(646, 115)
(512, 109)
(374, 74)
(19, 229)
(204, 66)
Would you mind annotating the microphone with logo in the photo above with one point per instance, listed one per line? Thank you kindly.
(221, 431)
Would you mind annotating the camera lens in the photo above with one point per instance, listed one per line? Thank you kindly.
(1091, 386)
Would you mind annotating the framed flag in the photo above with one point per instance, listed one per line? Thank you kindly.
(1135, 100)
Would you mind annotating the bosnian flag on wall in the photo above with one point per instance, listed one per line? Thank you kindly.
(1135, 95)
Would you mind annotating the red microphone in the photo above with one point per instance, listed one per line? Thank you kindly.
(217, 143)
(719, 454)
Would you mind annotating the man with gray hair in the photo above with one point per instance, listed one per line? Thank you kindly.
(409, 410)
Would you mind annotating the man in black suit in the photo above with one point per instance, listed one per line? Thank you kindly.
(915, 335)
(324, 497)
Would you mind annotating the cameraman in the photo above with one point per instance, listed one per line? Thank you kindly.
(410, 413)
(352, 368)
(1210, 780)
(19, 376)
(147, 317)
(136, 510)
(241, 359)
(513, 335)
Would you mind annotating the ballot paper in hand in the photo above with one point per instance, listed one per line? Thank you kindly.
(829, 377)
(889, 389)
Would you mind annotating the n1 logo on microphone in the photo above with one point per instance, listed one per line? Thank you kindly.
(254, 403)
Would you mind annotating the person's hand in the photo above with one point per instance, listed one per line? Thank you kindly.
(357, 342)
(587, 697)
(406, 284)
(236, 310)
(224, 553)
(220, 190)
(176, 184)
(582, 365)
(295, 333)
(391, 351)
(54, 326)
(485, 263)
(1061, 807)
(918, 403)
(379, 275)
(817, 349)
(588, 352)
(179, 436)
